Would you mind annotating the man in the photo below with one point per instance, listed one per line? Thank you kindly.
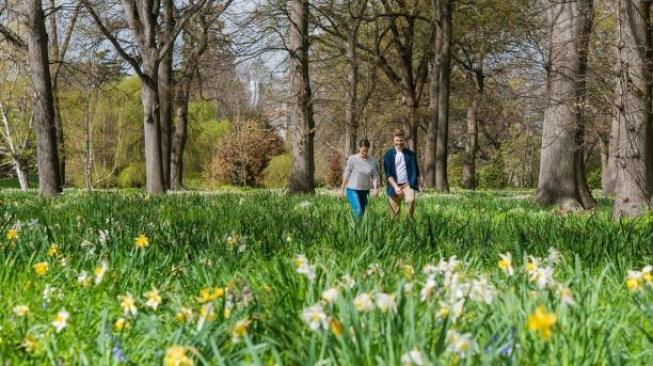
(402, 172)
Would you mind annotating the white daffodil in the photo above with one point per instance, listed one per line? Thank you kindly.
(542, 277)
(330, 295)
(413, 358)
(315, 317)
(363, 302)
(506, 264)
(100, 271)
(428, 290)
(482, 290)
(302, 266)
(60, 320)
(461, 344)
(385, 302)
(153, 299)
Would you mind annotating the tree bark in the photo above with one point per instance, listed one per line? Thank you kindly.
(302, 178)
(634, 161)
(181, 128)
(608, 159)
(166, 85)
(352, 92)
(21, 173)
(562, 178)
(434, 89)
(56, 56)
(471, 141)
(43, 112)
(443, 12)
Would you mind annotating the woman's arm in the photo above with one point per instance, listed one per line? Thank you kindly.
(346, 174)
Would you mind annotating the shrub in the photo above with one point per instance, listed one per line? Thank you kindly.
(278, 171)
(491, 175)
(335, 169)
(133, 176)
(245, 152)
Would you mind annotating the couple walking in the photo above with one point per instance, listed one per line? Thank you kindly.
(401, 171)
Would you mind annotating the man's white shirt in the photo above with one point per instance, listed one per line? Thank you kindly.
(400, 167)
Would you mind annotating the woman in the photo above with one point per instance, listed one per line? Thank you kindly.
(359, 177)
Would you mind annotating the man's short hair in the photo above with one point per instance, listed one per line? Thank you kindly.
(399, 133)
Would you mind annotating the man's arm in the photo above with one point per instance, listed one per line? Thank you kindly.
(391, 180)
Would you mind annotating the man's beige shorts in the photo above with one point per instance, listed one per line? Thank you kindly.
(408, 196)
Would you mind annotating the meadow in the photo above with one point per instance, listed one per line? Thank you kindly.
(487, 278)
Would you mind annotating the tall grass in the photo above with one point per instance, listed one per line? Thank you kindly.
(245, 243)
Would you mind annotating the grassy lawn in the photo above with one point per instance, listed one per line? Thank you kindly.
(261, 278)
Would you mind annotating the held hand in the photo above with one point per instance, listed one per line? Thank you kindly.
(341, 193)
(375, 192)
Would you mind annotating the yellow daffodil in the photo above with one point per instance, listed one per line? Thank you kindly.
(176, 356)
(142, 242)
(542, 322)
(240, 329)
(336, 327)
(29, 344)
(121, 324)
(184, 315)
(53, 251)
(12, 234)
(409, 272)
(41, 268)
(207, 294)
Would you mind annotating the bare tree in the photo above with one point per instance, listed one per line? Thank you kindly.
(15, 149)
(562, 171)
(57, 53)
(197, 35)
(634, 136)
(143, 19)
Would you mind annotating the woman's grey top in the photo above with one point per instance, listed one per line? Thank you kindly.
(360, 173)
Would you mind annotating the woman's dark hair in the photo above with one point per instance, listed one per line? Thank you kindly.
(364, 143)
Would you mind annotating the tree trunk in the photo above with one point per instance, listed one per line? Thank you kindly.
(434, 85)
(21, 173)
(471, 142)
(56, 56)
(412, 118)
(561, 181)
(444, 8)
(608, 159)
(352, 94)
(43, 112)
(166, 86)
(634, 96)
(302, 178)
(152, 134)
(181, 128)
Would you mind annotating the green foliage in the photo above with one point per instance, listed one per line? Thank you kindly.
(204, 135)
(132, 176)
(278, 171)
(491, 174)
